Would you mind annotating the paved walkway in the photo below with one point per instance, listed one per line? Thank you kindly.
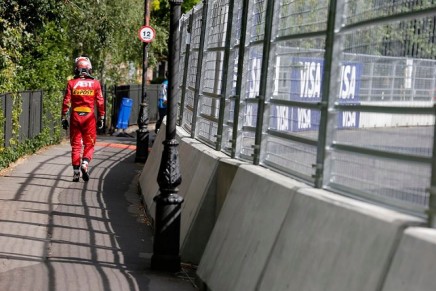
(57, 235)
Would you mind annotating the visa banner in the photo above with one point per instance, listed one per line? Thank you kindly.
(305, 84)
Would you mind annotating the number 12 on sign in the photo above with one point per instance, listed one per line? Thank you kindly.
(146, 34)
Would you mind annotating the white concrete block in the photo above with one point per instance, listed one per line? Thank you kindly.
(199, 207)
(148, 178)
(225, 174)
(246, 229)
(329, 242)
(414, 263)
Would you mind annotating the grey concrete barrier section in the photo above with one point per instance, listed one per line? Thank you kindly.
(270, 237)
(246, 229)
(148, 179)
(225, 174)
(330, 242)
(206, 176)
(414, 264)
(199, 190)
(253, 229)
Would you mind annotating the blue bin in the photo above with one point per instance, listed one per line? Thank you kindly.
(124, 113)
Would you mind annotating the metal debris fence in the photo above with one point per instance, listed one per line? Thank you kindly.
(339, 93)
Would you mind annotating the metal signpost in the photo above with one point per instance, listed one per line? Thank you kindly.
(146, 34)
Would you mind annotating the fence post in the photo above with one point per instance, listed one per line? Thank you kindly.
(2, 116)
(41, 112)
(29, 129)
(199, 68)
(8, 118)
(329, 88)
(185, 68)
(238, 88)
(432, 191)
(142, 134)
(269, 13)
(224, 76)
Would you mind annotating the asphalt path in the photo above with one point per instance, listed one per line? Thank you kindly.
(60, 235)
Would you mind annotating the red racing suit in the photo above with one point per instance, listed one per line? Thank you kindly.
(81, 95)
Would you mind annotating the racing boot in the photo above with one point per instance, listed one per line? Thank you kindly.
(84, 170)
(76, 175)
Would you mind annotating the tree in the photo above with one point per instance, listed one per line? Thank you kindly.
(160, 21)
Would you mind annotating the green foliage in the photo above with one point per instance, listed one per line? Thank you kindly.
(14, 152)
(158, 49)
(39, 40)
(16, 111)
(160, 21)
(10, 53)
(187, 5)
(33, 53)
(45, 64)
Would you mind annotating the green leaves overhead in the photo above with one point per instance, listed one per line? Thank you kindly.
(39, 40)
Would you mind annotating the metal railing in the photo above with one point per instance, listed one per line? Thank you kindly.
(30, 118)
(337, 93)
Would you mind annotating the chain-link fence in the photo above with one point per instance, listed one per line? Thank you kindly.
(337, 93)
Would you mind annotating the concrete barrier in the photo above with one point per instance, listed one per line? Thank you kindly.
(414, 264)
(148, 179)
(246, 229)
(206, 176)
(276, 234)
(204, 196)
(199, 168)
(250, 228)
(330, 242)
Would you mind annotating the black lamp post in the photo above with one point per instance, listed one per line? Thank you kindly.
(166, 255)
(142, 134)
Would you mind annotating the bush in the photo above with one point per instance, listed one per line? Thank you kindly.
(13, 153)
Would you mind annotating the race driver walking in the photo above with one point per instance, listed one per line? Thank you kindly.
(81, 95)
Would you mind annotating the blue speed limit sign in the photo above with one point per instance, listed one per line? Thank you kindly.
(146, 33)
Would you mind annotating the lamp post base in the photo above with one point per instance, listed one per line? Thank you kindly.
(142, 142)
(167, 233)
(165, 263)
